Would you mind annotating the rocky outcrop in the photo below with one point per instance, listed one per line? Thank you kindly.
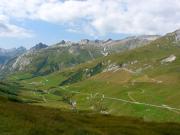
(169, 59)
(112, 67)
(177, 35)
(21, 62)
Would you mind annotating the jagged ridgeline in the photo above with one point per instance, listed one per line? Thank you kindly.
(42, 59)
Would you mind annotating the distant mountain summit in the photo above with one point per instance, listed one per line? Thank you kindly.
(13, 51)
(7, 54)
(39, 46)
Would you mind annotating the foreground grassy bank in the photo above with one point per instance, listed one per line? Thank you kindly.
(24, 119)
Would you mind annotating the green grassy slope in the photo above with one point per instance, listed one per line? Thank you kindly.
(23, 119)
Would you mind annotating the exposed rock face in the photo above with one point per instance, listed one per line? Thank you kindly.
(111, 67)
(177, 35)
(21, 62)
(104, 52)
(169, 59)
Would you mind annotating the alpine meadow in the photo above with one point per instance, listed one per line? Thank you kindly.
(89, 67)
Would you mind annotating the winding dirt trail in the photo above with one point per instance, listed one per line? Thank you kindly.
(173, 109)
(130, 97)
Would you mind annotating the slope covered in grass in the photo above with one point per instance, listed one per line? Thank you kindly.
(20, 119)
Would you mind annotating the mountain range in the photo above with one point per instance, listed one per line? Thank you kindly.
(43, 59)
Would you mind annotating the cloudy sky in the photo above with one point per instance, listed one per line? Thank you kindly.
(27, 22)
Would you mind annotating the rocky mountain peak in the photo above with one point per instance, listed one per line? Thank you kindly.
(21, 48)
(39, 46)
(84, 41)
(177, 35)
(62, 42)
(108, 41)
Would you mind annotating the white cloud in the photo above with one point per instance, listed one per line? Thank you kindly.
(99, 17)
(9, 30)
